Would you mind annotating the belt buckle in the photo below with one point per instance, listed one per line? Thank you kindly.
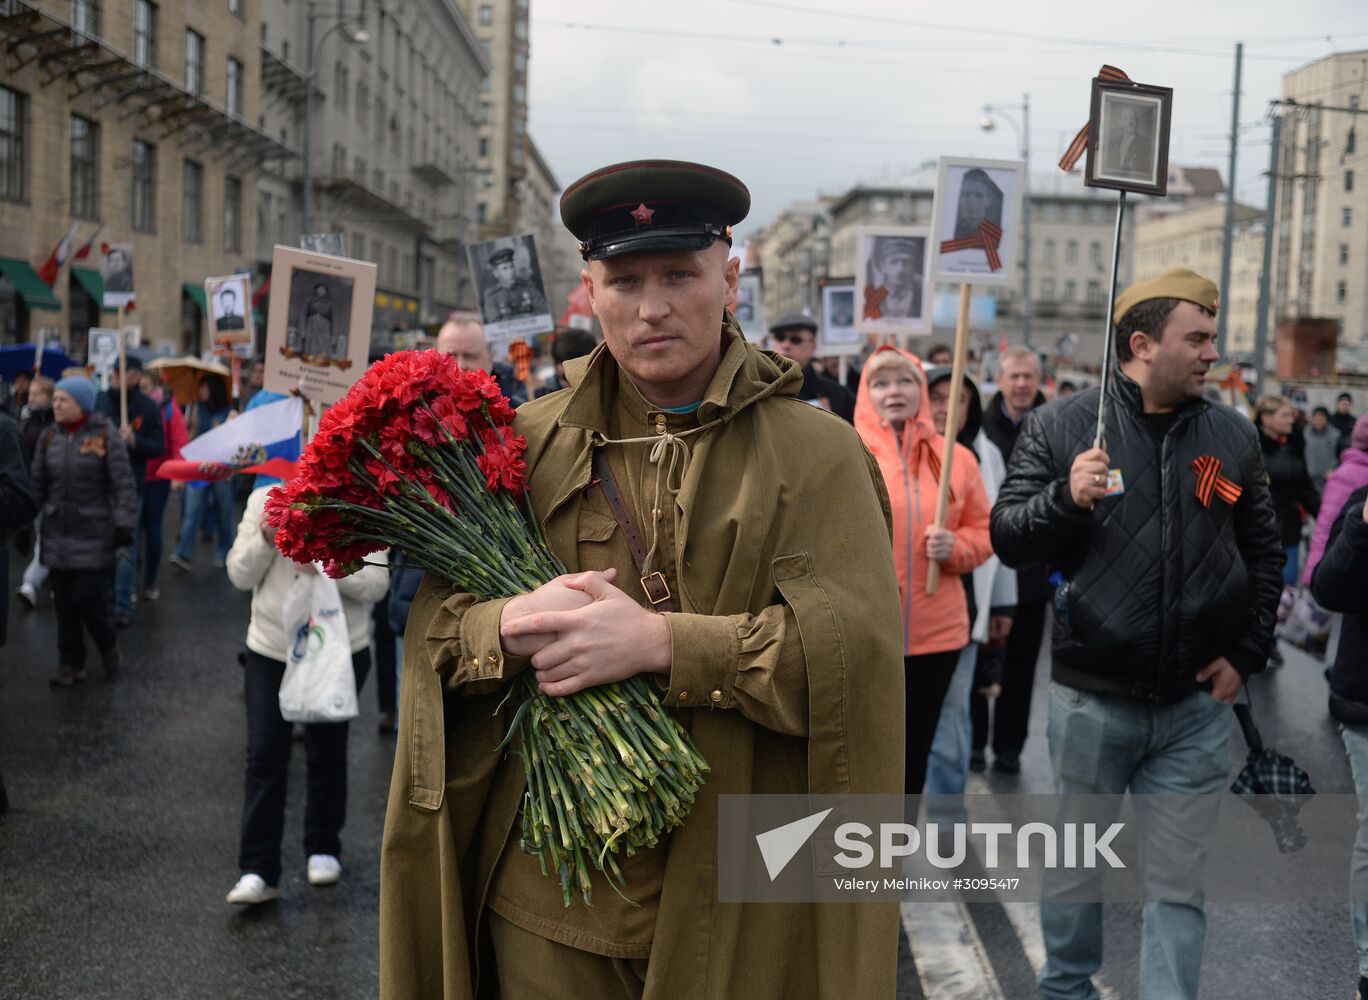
(656, 578)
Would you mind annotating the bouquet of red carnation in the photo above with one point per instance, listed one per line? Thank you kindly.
(420, 456)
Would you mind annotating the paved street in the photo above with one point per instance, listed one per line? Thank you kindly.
(123, 836)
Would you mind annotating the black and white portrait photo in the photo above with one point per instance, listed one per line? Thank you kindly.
(839, 335)
(749, 308)
(320, 316)
(229, 301)
(891, 282)
(333, 243)
(118, 276)
(1129, 142)
(508, 284)
(976, 213)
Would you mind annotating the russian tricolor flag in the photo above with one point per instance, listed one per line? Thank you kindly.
(264, 440)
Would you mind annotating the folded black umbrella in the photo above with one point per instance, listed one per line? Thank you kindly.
(1273, 785)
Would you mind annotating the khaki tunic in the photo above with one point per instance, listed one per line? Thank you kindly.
(787, 671)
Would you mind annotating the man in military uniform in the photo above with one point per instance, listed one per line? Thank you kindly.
(771, 629)
(897, 266)
(512, 296)
(229, 316)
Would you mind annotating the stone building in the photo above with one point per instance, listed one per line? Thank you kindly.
(136, 120)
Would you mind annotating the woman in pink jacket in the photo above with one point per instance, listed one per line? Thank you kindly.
(893, 418)
(1348, 476)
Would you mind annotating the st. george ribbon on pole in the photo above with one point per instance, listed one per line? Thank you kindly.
(1107, 344)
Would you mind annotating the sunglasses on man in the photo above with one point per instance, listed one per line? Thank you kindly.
(791, 337)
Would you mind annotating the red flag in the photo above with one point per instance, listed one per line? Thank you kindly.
(84, 250)
(260, 293)
(53, 265)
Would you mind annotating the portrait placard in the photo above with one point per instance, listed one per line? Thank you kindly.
(1128, 137)
(102, 349)
(319, 328)
(892, 280)
(838, 334)
(975, 216)
(229, 319)
(118, 276)
(509, 288)
(750, 306)
(331, 243)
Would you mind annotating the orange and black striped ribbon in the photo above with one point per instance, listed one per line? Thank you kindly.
(873, 304)
(1080, 142)
(521, 354)
(988, 239)
(1210, 480)
(934, 461)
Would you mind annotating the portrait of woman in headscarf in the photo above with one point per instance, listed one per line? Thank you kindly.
(979, 199)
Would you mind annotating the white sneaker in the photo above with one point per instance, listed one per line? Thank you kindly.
(28, 595)
(324, 869)
(252, 889)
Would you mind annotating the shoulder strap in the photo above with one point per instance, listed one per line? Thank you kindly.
(657, 590)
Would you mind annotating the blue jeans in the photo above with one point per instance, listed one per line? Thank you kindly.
(195, 499)
(1101, 746)
(1292, 554)
(1356, 745)
(126, 569)
(947, 768)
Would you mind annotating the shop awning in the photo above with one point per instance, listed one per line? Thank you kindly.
(196, 293)
(93, 283)
(30, 287)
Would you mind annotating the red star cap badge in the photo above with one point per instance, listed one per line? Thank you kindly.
(642, 215)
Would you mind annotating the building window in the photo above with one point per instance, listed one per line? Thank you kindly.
(1070, 291)
(1071, 252)
(1341, 291)
(339, 160)
(520, 29)
(192, 202)
(85, 168)
(194, 63)
(232, 214)
(145, 34)
(1347, 217)
(1348, 180)
(484, 146)
(1344, 253)
(1094, 293)
(237, 8)
(144, 186)
(359, 170)
(341, 86)
(1047, 290)
(481, 214)
(1350, 143)
(85, 17)
(363, 104)
(519, 94)
(234, 87)
(486, 14)
(1095, 253)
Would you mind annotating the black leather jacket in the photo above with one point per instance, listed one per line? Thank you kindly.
(1155, 585)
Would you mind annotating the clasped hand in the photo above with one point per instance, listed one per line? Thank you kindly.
(581, 631)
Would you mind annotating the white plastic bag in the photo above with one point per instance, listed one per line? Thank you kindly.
(319, 685)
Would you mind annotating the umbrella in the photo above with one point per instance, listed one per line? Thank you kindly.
(1273, 785)
(183, 376)
(15, 358)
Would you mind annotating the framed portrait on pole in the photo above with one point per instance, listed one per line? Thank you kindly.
(838, 334)
(118, 276)
(319, 328)
(509, 288)
(892, 280)
(750, 306)
(229, 316)
(1128, 143)
(976, 216)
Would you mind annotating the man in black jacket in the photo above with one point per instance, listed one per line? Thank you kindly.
(17, 509)
(1339, 584)
(1171, 570)
(1019, 378)
(795, 337)
(145, 438)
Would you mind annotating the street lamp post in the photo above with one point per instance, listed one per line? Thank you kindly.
(1023, 132)
(355, 33)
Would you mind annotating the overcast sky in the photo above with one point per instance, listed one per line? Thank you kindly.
(800, 97)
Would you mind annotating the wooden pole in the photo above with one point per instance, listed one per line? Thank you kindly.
(951, 425)
(123, 373)
(237, 378)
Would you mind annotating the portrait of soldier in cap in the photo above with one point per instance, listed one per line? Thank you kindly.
(688, 490)
(896, 265)
(507, 292)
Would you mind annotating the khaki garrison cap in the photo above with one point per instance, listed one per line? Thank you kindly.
(1175, 283)
(652, 205)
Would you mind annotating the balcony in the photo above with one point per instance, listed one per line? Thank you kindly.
(354, 193)
(433, 173)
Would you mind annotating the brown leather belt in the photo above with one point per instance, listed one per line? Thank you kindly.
(657, 590)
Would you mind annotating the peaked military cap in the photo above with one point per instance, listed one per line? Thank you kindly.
(1175, 283)
(503, 256)
(794, 321)
(652, 205)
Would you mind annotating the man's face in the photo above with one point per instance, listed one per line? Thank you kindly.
(973, 202)
(1319, 421)
(661, 313)
(899, 270)
(129, 378)
(1343, 406)
(466, 343)
(1179, 361)
(40, 397)
(1019, 379)
(320, 291)
(504, 273)
(227, 303)
(117, 261)
(21, 382)
(1130, 121)
(257, 377)
(939, 398)
(795, 342)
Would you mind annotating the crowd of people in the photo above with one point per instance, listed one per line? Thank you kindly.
(1162, 584)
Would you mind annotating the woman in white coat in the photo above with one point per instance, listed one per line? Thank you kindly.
(254, 564)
